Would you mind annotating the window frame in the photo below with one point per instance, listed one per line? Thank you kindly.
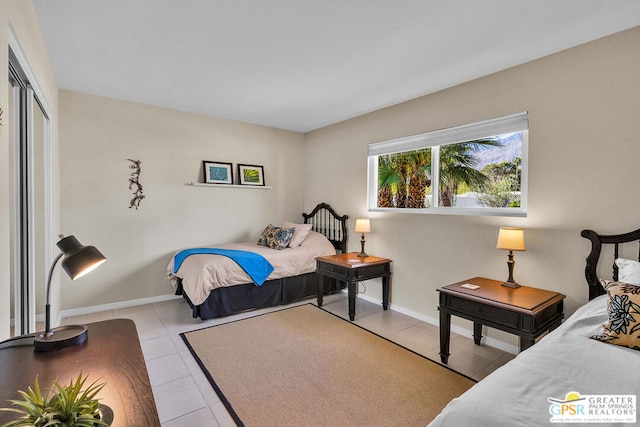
(435, 139)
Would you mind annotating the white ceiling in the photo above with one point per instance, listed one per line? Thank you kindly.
(304, 64)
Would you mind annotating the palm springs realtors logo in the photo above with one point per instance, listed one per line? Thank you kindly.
(576, 408)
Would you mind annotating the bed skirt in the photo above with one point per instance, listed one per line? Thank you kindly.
(235, 299)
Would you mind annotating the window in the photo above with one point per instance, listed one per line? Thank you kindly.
(474, 169)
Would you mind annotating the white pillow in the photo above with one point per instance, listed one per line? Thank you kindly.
(628, 271)
(301, 233)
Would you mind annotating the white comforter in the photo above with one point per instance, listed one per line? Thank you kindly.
(565, 360)
(202, 273)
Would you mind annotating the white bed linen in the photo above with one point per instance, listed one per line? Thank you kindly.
(563, 361)
(202, 273)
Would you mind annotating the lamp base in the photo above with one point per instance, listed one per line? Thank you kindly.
(362, 253)
(61, 337)
(512, 285)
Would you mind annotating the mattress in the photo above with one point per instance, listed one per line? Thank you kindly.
(564, 361)
(202, 273)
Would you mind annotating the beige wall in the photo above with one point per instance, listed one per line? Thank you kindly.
(21, 17)
(584, 109)
(100, 133)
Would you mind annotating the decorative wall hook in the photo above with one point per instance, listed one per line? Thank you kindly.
(134, 184)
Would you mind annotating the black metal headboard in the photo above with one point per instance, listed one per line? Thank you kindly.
(326, 221)
(597, 240)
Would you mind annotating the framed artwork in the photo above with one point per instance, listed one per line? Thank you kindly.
(217, 172)
(251, 175)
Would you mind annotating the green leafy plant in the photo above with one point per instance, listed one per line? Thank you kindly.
(499, 195)
(64, 406)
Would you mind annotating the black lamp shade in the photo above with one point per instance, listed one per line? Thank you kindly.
(78, 259)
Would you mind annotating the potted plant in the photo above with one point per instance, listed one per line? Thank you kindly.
(68, 406)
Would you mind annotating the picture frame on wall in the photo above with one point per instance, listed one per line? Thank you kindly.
(217, 172)
(251, 175)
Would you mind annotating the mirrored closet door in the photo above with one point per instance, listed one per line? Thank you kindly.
(28, 125)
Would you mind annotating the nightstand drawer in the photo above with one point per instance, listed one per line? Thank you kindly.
(349, 274)
(484, 312)
(371, 271)
(325, 267)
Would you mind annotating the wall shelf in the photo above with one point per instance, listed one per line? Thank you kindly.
(255, 187)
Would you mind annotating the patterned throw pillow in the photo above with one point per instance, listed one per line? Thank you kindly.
(262, 240)
(623, 327)
(276, 237)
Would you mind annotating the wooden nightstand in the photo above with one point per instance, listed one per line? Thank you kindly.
(525, 311)
(352, 269)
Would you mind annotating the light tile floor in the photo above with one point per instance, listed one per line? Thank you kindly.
(184, 396)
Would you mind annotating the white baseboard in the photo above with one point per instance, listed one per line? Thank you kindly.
(436, 322)
(103, 307)
(116, 305)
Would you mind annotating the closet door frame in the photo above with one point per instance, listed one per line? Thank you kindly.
(27, 95)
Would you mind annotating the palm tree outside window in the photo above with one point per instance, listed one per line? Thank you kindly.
(482, 175)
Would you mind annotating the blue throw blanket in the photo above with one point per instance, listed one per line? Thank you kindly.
(255, 265)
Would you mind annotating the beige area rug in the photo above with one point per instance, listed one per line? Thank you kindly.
(303, 366)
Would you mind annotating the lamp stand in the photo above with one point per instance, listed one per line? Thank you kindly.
(510, 283)
(362, 253)
(63, 336)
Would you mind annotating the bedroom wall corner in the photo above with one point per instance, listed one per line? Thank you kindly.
(583, 106)
(100, 133)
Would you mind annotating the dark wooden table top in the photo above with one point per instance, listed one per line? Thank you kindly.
(524, 298)
(112, 354)
(352, 260)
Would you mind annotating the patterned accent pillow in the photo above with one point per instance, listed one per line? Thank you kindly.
(262, 240)
(276, 237)
(623, 327)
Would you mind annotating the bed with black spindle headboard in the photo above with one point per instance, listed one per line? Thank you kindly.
(226, 299)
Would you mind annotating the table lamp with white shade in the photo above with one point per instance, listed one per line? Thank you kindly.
(363, 225)
(511, 239)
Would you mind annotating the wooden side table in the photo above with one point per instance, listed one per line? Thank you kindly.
(111, 354)
(351, 269)
(525, 311)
